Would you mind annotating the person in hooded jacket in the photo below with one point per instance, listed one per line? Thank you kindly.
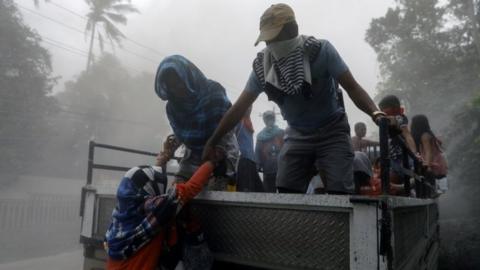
(195, 106)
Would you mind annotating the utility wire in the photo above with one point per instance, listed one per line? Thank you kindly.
(82, 32)
(83, 17)
(75, 51)
(230, 86)
(233, 88)
(64, 108)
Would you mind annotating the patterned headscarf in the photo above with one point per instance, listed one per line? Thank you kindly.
(142, 210)
(194, 118)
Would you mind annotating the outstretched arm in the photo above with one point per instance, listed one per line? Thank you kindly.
(409, 139)
(359, 96)
(231, 118)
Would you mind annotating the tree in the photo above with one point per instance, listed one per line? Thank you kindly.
(111, 106)
(25, 86)
(106, 13)
(427, 57)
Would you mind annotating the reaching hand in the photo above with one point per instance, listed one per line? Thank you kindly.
(170, 145)
(162, 159)
(212, 153)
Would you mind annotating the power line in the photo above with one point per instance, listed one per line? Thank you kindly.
(63, 108)
(81, 32)
(64, 48)
(234, 89)
(83, 17)
(74, 50)
(68, 10)
(230, 86)
(65, 45)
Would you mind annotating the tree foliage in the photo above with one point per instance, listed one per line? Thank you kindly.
(25, 86)
(106, 13)
(427, 55)
(109, 105)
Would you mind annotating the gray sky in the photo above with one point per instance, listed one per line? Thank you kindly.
(217, 35)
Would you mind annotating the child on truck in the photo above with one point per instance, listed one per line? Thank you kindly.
(399, 133)
(145, 208)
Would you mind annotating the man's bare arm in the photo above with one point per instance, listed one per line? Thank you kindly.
(231, 118)
(409, 139)
(359, 96)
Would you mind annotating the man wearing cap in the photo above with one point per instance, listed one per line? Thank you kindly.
(300, 74)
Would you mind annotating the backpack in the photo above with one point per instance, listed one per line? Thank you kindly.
(439, 161)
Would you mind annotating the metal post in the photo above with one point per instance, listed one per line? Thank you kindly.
(386, 220)
(406, 165)
(91, 148)
(384, 156)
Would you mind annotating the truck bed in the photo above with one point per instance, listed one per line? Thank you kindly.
(291, 231)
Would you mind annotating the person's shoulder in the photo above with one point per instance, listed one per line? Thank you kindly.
(325, 51)
(259, 134)
(426, 137)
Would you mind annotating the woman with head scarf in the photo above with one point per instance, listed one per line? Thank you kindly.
(195, 106)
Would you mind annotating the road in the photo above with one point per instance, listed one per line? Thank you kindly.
(71, 260)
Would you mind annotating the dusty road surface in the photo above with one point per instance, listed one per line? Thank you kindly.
(71, 260)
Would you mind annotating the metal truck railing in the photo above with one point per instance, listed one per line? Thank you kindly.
(91, 165)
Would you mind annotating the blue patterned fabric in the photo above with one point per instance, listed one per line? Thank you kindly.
(194, 118)
(142, 211)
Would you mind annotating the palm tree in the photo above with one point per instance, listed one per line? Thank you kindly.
(106, 13)
(37, 2)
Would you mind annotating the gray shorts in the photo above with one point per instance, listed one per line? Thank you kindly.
(190, 163)
(329, 150)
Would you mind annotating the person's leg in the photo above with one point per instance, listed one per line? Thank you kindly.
(247, 177)
(269, 182)
(294, 161)
(335, 162)
(146, 258)
(257, 185)
(242, 176)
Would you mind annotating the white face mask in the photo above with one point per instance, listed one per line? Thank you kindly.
(282, 48)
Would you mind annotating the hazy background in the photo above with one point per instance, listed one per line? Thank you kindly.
(217, 36)
(425, 51)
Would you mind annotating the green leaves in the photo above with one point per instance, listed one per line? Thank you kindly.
(427, 56)
(25, 88)
(428, 51)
